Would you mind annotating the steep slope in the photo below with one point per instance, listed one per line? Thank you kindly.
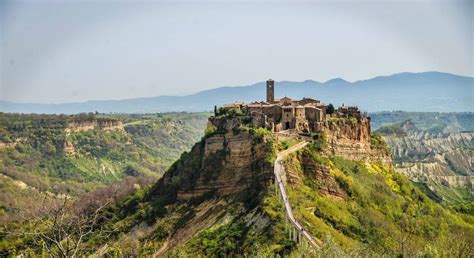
(367, 209)
(219, 200)
(440, 159)
(428, 92)
(74, 155)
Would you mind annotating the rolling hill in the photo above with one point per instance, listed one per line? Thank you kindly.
(81, 154)
(424, 92)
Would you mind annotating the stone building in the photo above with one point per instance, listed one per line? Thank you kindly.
(349, 112)
(306, 115)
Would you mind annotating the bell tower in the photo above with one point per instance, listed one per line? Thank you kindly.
(270, 91)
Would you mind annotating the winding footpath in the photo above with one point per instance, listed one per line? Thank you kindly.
(278, 170)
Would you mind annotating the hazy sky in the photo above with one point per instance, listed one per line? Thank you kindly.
(63, 51)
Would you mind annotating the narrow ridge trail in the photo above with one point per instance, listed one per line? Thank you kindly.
(278, 170)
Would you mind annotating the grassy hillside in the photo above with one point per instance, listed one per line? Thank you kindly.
(381, 214)
(353, 208)
(34, 154)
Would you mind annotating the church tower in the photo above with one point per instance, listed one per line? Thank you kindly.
(270, 91)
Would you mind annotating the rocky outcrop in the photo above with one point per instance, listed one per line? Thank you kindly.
(351, 139)
(12, 144)
(231, 163)
(221, 164)
(69, 148)
(101, 124)
(443, 158)
(87, 125)
(348, 129)
(231, 160)
(326, 182)
(225, 124)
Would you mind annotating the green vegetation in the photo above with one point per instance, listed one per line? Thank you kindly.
(337, 120)
(220, 242)
(318, 143)
(257, 133)
(229, 112)
(330, 109)
(36, 159)
(445, 145)
(425, 120)
(352, 208)
(210, 131)
(377, 142)
(255, 232)
(394, 129)
(285, 144)
(382, 212)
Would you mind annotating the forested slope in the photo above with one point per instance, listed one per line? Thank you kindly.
(72, 155)
(219, 200)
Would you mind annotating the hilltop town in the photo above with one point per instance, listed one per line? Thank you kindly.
(346, 130)
(306, 115)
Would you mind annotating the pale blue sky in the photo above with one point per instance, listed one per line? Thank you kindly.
(64, 51)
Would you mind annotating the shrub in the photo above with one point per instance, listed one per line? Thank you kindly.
(330, 109)
(210, 131)
(221, 242)
(377, 142)
(318, 143)
(229, 112)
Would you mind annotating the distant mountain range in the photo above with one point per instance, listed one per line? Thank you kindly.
(428, 91)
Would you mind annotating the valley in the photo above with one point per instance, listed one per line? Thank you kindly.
(219, 199)
(435, 151)
(236, 129)
(75, 155)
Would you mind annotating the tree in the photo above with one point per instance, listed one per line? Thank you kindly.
(330, 109)
(62, 228)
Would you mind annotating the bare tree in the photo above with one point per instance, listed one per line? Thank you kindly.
(407, 230)
(62, 229)
(61, 226)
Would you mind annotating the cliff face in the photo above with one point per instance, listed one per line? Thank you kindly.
(348, 129)
(351, 139)
(231, 160)
(230, 164)
(224, 163)
(443, 158)
(102, 124)
(87, 125)
(325, 182)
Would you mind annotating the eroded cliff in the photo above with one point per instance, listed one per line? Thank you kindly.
(86, 125)
(352, 139)
(438, 158)
(443, 157)
(226, 161)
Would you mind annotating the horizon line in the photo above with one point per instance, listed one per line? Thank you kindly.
(219, 87)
